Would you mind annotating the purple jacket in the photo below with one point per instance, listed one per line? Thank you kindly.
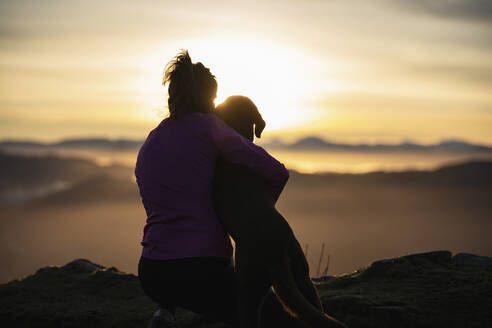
(174, 172)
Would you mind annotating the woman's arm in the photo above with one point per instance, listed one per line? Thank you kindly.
(239, 150)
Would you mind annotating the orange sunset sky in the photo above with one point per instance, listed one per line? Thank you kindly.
(347, 70)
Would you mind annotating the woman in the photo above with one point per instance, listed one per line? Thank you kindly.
(186, 255)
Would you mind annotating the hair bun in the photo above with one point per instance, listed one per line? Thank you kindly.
(191, 86)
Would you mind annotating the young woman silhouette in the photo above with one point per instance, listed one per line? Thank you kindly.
(186, 255)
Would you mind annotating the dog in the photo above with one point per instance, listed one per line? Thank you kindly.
(267, 251)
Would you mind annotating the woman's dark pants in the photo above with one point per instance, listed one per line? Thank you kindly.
(204, 285)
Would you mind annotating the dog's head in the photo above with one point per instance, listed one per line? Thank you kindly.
(241, 114)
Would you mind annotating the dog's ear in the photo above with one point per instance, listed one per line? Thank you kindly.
(259, 126)
(258, 121)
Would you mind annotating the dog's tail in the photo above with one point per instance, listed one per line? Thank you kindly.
(295, 303)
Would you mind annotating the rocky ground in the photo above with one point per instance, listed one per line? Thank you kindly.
(432, 289)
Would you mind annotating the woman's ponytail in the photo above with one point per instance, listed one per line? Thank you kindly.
(192, 87)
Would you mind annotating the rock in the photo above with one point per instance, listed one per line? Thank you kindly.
(419, 290)
(401, 267)
(346, 305)
(323, 278)
(416, 259)
(393, 315)
(433, 257)
(46, 269)
(82, 265)
(78, 294)
(471, 259)
(345, 302)
(162, 318)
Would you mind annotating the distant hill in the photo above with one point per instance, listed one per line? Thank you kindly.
(98, 143)
(52, 180)
(467, 174)
(28, 171)
(307, 143)
(59, 180)
(94, 189)
(319, 144)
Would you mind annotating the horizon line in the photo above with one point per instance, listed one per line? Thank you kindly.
(269, 139)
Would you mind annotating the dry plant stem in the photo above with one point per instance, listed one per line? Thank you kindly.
(320, 258)
(325, 272)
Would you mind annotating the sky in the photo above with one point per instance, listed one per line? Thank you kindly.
(345, 70)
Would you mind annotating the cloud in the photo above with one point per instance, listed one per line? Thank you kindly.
(479, 11)
(476, 76)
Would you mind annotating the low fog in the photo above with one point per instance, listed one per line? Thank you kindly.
(359, 218)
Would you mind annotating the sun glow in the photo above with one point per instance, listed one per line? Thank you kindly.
(278, 79)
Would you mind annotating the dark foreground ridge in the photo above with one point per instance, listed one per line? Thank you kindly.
(432, 289)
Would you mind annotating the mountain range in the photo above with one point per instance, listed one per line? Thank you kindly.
(307, 143)
(319, 144)
(102, 143)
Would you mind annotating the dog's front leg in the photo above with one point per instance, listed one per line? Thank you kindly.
(300, 270)
(253, 285)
